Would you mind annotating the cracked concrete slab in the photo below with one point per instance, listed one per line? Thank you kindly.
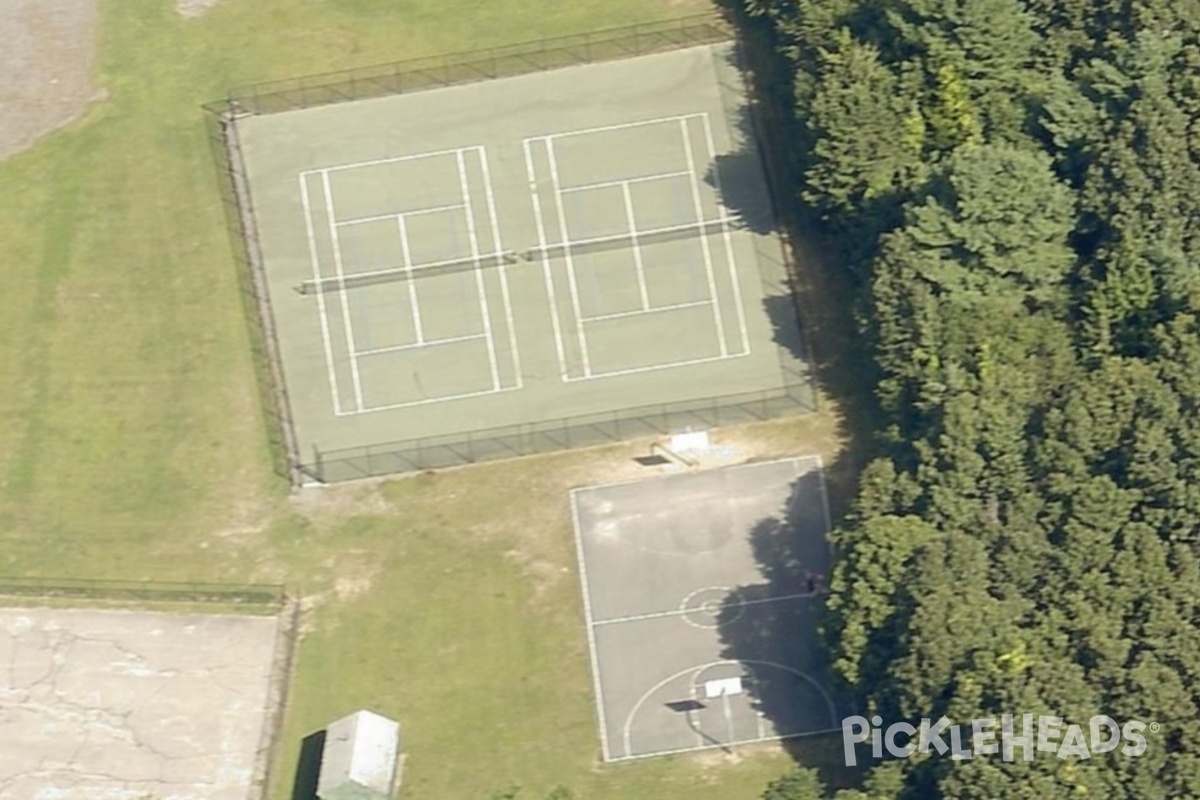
(125, 705)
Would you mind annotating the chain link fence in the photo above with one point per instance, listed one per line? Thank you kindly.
(267, 596)
(332, 466)
(561, 434)
(414, 75)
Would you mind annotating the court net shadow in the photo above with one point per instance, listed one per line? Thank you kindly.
(308, 767)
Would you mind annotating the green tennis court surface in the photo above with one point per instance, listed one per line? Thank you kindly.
(500, 254)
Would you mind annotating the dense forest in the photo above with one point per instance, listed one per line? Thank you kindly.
(1014, 189)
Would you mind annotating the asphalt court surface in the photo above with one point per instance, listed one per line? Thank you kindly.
(122, 704)
(701, 593)
(518, 250)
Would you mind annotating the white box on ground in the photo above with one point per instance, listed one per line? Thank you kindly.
(725, 687)
(359, 758)
(690, 442)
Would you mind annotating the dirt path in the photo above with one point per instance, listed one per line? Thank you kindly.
(47, 49)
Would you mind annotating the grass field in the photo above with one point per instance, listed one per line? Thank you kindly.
(132, 446)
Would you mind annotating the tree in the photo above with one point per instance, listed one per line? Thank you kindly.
(800, 784)
(995, 227)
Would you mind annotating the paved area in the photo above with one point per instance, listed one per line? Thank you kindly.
(583, 242)
(118, 705)
(702, 593)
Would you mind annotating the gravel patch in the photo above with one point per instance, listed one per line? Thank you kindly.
(47, 50)
(194, 8)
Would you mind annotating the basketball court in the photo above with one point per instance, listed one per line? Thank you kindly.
(701, 593)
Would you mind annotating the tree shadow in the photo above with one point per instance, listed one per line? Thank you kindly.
(308, 767)
(774, 627)
(815, 310)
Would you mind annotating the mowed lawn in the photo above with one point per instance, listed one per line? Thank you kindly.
(132, 445)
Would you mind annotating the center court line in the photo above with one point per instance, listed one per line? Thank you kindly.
(483, 309)
(637, 248)
(341, 277)
(413, 301)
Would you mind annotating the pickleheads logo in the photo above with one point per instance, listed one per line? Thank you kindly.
(995, 736)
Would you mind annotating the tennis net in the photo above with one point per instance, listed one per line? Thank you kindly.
(625, 241)
(373, 278)
(628, 241)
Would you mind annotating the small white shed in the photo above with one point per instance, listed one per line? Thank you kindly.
(360, 758)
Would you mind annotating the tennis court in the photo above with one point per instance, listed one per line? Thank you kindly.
(498, 254)
(702, 593)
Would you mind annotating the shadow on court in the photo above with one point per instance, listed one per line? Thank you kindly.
(308, 767)
(826, 284)
(793, 559)
(738, 176)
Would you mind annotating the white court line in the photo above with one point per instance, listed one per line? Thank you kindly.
(704, 246)
(409, 268)
(428, 401)
(414, 303)
(498, 246)
(627, 728)
(734, 274)
(740, 743)
(541, 234)
(316, 268)
(567, 258)
(637, 248)
(475, 255)
(661, 176)
(656, 368)
(378, 217)
(591, 631)
(417, 345)
(682, 611)
(655, 309)
(620, 126)
(378, 161)
(341, 277)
